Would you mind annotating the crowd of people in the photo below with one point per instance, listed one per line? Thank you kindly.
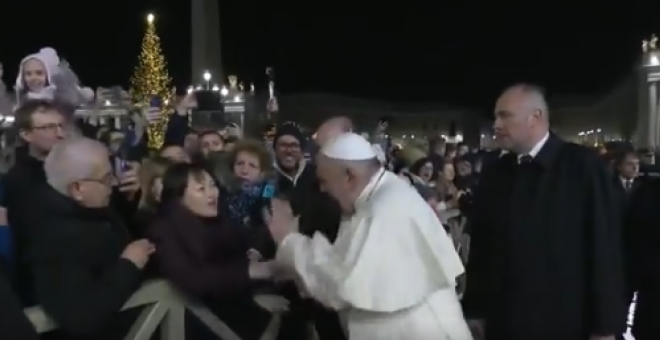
(560, 237)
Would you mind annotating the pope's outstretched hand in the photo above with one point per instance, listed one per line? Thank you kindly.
(280, 219)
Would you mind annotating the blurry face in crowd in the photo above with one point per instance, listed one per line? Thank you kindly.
(176, 154)
(629, 168)
(191, 142)
(515, 118)
(247, 167)
(340, 182)
(464, 168)
(288, 151)
(46, 130)
(116, 140)
(463, 150)
(35, 74)
(440, 149)
(211, 143)
(157, 188)
(448, 172)
(201, 195)
(94, 191)
(426, 171)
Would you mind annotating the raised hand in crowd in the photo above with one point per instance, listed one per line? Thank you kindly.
(188, 102)
(128, 180)
(272, 303)
(280, 219)
(139, 252)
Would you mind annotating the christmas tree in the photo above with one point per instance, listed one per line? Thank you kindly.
(151, 79)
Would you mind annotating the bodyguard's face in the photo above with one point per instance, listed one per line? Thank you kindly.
(514, 119)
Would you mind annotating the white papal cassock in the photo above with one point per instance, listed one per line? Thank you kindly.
(391, 272)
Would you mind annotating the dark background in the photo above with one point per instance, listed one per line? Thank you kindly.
(457, 52)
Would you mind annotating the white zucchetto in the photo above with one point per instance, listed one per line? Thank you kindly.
(349, 146)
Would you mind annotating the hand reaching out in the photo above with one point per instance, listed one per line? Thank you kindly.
(280, 219)
(272, 303)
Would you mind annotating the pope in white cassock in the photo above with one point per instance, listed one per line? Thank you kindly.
(391, 273)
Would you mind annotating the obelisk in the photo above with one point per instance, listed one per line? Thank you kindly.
(205, 41)
(648, 119)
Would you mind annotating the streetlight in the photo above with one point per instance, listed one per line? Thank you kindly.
(207, 79)
(224, 91)
(150, 18)
(215, 88)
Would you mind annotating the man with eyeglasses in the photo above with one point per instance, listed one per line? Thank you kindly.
(40, 125)
(84, 262)
(318, 212)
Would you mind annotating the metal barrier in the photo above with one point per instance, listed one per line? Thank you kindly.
(165, 307)
(455, 221)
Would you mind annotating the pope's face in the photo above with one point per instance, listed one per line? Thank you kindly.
(337, 181)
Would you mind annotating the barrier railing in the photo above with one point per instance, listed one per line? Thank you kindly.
(165, 307)
(455, 221)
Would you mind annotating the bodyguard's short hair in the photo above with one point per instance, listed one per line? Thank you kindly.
(536, 93)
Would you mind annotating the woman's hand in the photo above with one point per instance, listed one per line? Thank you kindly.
(261, 270)
(272, 303)
(254, 255)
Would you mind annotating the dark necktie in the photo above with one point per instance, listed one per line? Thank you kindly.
(628, 184)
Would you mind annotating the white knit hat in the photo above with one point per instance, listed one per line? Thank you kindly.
(48, 56)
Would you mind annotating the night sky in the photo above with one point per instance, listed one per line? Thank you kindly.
(457, 52)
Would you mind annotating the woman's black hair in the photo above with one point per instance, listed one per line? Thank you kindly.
(417, 166)
(175, 182)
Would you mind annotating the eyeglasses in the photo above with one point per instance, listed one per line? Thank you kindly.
(107, 180)
(49, 127)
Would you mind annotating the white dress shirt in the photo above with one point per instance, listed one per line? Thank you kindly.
(537, 147)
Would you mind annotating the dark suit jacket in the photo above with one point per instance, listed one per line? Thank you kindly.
(626, 194)
(643, 251)
(13, 321)
(80, 278)
(546, 255)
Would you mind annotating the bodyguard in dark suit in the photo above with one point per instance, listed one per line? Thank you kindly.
(643, 252)
(546, 254)
(626, 180)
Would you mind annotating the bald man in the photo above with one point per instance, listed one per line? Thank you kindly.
(84, 263)
(546, 257)
(332, 128)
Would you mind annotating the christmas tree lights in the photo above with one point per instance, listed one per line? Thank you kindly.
(150, 79)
